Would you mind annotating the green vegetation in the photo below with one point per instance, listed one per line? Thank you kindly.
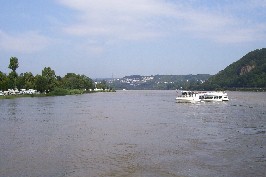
(13, 74)
(58, 92)
(248, 73)
(48, 82)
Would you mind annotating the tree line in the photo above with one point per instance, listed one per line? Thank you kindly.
(47, 81)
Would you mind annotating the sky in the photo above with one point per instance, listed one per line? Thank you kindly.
(117, 38)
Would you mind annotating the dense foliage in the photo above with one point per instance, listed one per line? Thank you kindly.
(248, 72)
(47, 82)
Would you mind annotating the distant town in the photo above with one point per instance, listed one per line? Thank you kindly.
(157, 82)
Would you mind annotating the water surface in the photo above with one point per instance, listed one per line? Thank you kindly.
(134, 134)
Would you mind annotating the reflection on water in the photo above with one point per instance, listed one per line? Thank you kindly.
(12, 111)
(133, 133)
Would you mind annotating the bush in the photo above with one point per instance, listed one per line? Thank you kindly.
(58, 92)
(75, 92)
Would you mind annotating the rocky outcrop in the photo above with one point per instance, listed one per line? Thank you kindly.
(246, 69)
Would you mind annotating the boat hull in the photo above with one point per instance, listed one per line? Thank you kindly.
(187, 100)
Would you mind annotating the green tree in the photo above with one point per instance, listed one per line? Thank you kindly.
(12, 79)
(3, 81)
(74, 81)
(102, 85)
(70, 81)
(41, 83)
(25, 81)
(29, 80)
(13, 65)
(50, 76)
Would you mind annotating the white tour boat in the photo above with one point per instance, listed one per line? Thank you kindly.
(196, 96)
(189, 97)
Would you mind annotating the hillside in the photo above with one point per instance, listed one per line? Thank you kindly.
(247, 72)
(159, 82)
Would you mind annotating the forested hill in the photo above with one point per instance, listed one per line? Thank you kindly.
(247, 72)
(159, 82)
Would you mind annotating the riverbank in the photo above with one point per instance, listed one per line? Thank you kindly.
(21, 96)
(56, 92)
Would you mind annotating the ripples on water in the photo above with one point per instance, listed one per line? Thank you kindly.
(133, 133)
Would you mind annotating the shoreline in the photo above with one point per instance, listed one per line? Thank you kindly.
(47, 95)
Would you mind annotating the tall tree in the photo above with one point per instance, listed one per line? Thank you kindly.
(13, 65)
(41, 83)
(50, 76)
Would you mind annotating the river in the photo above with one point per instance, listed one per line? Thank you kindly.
(133, 134)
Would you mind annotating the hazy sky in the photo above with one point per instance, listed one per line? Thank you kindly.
(101, 38)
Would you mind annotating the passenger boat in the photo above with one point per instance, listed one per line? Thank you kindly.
(197, 96)
(189, 97)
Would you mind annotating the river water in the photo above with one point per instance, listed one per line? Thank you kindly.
(133, 134)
